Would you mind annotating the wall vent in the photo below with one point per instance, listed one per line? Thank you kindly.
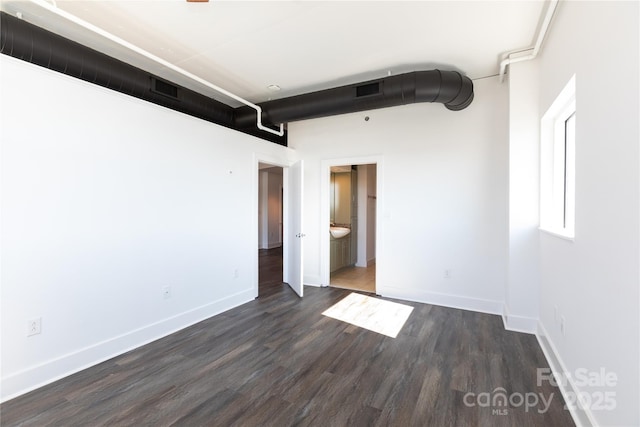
(368, 89)
(25, 41)
(164, 88)
(450, 88)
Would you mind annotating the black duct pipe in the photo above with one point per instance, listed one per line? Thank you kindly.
(33, 44)
(451, 88)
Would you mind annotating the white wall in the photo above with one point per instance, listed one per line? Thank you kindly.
(366, 215)
(594, 280)
(522, 293)
(106, 199)
(442, 195)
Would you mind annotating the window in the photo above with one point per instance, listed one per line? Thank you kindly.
(557, 164)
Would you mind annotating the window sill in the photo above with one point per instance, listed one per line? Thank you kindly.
(558, 234)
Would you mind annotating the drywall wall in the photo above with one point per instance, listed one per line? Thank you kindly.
(593, 280)
(522, 293)
(366, 215)
(441, 194)
(106, 201)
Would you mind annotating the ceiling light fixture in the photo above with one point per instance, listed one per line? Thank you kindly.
(273, 88)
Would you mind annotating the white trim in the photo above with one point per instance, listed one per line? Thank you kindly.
(558, 234)
(582, 418)
(312, 280)
(325, 216)
(279, 162)
(557, 165)
(527, 325)
(444, 300)
(315, 285)
(53, 8)
(34, 377)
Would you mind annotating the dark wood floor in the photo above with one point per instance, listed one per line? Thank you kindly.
(270, 271)
(277, 361)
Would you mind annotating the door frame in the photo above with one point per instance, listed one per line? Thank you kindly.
(325, 211)
(284, 164)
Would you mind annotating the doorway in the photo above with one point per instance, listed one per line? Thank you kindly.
(270, 229)
(278, 223)
(352, 226)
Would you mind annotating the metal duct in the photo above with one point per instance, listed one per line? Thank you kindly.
(451, 88)
(33, 44)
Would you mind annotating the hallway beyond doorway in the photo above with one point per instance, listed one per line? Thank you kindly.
(270, 271)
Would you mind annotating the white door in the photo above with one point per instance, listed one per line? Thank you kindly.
(293, 232)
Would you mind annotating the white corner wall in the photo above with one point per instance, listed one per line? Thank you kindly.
(594, 280)
(442, 196)
(106, 200)
(523, 274)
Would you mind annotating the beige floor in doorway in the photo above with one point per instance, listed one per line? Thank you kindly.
(355, 278)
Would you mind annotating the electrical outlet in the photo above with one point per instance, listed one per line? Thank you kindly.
(562, 329)
(166, 292)
(34, 326)
(447, 274)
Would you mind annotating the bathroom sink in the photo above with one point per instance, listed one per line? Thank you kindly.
(338, 232)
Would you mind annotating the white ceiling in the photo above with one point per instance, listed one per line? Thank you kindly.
(245, 46)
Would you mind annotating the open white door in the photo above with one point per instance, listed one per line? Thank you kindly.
(293, 228)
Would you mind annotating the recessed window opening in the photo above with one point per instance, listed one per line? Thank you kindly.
(569, 148)
(557, 165)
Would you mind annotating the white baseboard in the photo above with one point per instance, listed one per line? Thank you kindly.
(34, 377)
(315, 280)
(527, 325)
(315, 285)
(445, 300)
(581, 417)
(271, 245)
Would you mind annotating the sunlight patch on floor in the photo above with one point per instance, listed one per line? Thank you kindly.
(383, 317)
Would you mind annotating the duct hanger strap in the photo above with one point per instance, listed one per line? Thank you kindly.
(450, 88)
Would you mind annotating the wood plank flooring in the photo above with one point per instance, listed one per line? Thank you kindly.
(277, 361)
(270, 271)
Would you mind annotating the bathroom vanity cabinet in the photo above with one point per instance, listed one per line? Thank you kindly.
(340, 253)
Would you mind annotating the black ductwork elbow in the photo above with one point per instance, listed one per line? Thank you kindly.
(456, 90)
(450, 88)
